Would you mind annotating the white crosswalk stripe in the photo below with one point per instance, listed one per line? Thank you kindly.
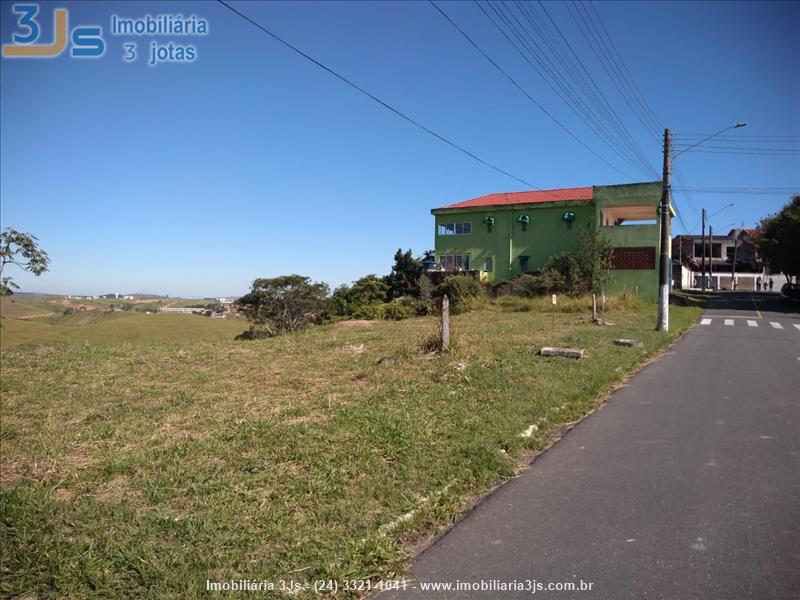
(776, 325)
(729, 322)
(705, 321)
(796, 325)
(752, 323)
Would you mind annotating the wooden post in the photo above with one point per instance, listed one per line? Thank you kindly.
(594, 308)
(554, 299)
(445, 324)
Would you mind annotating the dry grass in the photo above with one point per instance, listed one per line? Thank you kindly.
(142, 469)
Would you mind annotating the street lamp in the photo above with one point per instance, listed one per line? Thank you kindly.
(662, 323)
(713, 135)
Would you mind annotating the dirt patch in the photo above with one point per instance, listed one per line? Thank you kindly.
(357, 323)
(312, 417)
(63, 495)
(114, 490)
(36, 316)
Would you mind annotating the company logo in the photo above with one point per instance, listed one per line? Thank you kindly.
(85, 41)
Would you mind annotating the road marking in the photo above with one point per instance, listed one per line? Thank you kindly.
(752, 324)
(776, 325)
(796, 326)
(705, 321)
(755, 305)
(728, 321)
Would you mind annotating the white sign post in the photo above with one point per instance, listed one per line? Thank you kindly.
(555, 300)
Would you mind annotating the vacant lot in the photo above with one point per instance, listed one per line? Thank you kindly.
(35, 320)
(138, 470)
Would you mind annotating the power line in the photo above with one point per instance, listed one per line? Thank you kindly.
(649, 115)
(741, 152)
(552, 81)
(576, 100)
(735, 190)
(521, 89)
(595, 99)
(593, 38)
(373, 97)
(748, 148)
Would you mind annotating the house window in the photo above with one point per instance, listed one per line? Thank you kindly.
(488, 264)
(455, 262)
(713, 251)
(455, 228)
(729, 252)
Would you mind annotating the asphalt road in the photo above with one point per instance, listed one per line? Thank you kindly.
(685, 485)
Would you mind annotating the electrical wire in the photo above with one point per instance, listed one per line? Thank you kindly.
(373, 97)
(524, 92)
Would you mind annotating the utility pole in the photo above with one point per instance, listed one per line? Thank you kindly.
(663, 268)
(703, 268)
(733, 269)
(710, 255)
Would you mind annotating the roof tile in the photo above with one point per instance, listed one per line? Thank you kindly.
(578, 194)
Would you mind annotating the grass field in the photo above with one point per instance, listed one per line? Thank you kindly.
(35, 320)
(144, 469)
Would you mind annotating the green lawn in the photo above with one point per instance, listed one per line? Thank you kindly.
(144, 469)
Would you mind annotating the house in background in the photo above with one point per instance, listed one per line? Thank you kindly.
(728, 257)
(500, 236)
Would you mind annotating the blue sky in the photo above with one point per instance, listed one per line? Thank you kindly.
(193, 179)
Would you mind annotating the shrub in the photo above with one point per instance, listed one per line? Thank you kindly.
(459, 290)
(396, 311)
(369, 312)
(525, 285)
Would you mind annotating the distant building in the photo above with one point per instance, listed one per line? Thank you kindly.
(730, 259)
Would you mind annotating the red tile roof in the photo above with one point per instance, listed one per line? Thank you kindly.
(579, 194)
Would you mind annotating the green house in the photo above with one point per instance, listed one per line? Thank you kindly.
(500, 236)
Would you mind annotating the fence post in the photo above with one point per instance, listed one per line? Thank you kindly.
(603, 305)
(445, 323)
(594, 308)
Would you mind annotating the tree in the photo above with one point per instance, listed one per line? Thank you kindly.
(370, 289)
(594, 255)
(779, 241)
(21, 249)
(282, 304)
(574, 273)
(404, 278)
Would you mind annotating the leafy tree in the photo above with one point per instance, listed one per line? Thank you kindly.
(404, 278)
(574, 273)
(21, 249)
(368, 290)
(779, 242)
(584, 270)
(594, 256)
(282, 304)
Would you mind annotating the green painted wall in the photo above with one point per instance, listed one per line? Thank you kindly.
(548, 235)
(644, 281)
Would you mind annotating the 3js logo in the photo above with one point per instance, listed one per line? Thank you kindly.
(87, 42)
